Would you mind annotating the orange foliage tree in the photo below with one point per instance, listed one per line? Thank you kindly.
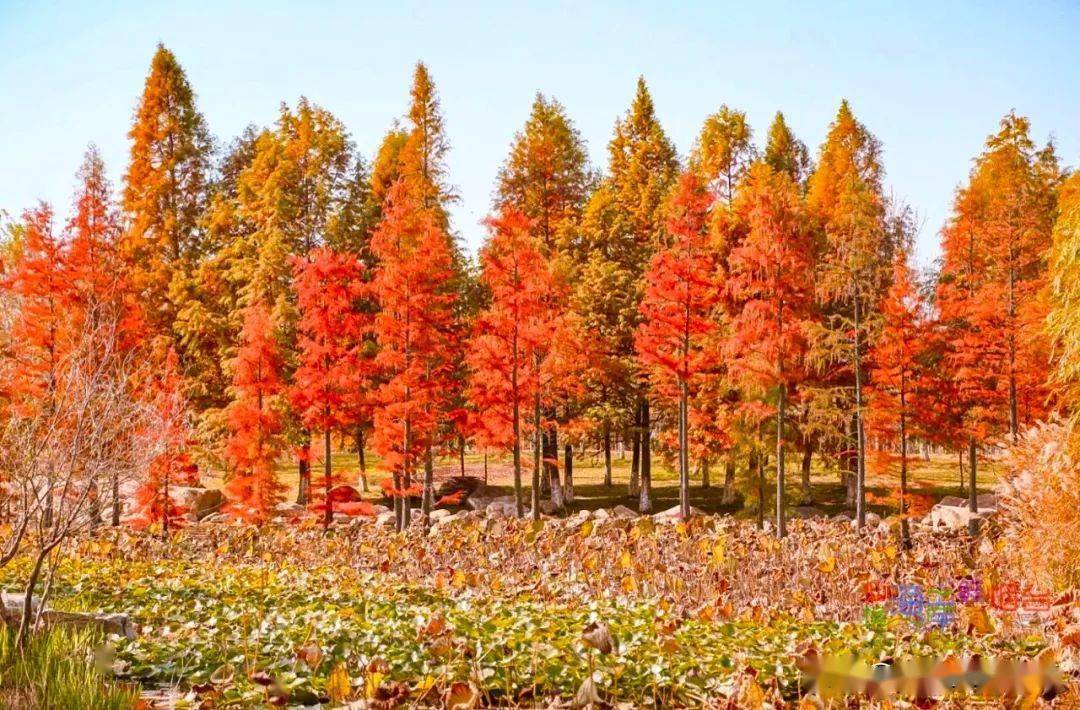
(895, 371)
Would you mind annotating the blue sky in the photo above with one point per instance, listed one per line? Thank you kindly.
(930, 79)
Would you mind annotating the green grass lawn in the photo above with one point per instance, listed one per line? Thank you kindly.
(929, 479)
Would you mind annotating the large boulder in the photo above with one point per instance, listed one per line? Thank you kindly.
(621, 511)
(385, 519)
(345, 494)
(947, 515)
(199, 501)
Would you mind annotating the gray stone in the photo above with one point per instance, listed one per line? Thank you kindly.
(386, 519)
(621, 511)
(119, 624)
(806, 512)
(675, 512)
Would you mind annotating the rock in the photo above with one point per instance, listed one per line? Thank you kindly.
(601, 514)
(440, 514)
(215, 518)
(119, 624)
(477, 502)
(621, 511)
(953, 502)
(872, 521)
(841, 517)
(948, 517)
(986, 500)
(385, 519)
(480, 501)
(345, 494)
(806, 512)
(675, 512)
(548, 508)
(290, 508)
(201, 501)
(355, 508)
(585, 514)
(502, 509)
(379, 509)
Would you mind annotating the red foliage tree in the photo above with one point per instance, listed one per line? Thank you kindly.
(771, 280)
(681, 293)
(513, 353)
(415, 329)
(172, 464)
(331, 327)
(895, 370)
(254, 419)
(42, 326)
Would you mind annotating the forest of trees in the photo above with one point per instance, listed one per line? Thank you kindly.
(749, 304)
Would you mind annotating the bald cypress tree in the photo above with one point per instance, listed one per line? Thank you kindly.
(723, 152)
(845, 195)
(622, 228)
(785, 153)
(546, 179)
(165, 189)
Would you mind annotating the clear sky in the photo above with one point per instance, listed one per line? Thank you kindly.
(930, 79)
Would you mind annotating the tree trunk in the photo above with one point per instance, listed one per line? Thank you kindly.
(705, 472)
(851, 464)
(404, 506)
(166, 503)
(568, 472)
(781, 522)
(93, 503)
(485, 468)
(729, 481)
(960, 456)
(635, 455)
(360, 458)
(807, 460)
(759, 471)
(645, 499)
(429, 483)
(684, 455)
(860, 440)
(905, 530)
(461, 453)
(303, 490)
(519, 503)
(552, 486)
(607, 455)
(973, 503)
(114, 480)
(328, 474)
(22, 636)
(537, 451)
